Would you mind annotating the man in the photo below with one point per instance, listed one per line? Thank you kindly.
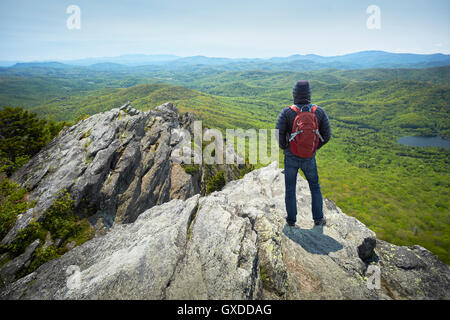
(292, 163)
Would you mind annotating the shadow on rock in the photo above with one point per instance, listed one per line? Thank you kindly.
(312, 240)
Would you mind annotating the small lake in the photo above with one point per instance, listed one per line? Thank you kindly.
(425, 142)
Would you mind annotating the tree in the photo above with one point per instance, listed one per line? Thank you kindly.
(22, 135)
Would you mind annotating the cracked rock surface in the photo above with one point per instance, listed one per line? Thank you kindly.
(234, 244)
(115, 165)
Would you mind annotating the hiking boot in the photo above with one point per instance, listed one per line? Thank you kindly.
(290, 224)
(320, 222)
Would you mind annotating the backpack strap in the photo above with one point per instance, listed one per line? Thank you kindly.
(295, 109)
(312, 108)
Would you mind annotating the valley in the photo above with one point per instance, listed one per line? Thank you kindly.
(400, 192)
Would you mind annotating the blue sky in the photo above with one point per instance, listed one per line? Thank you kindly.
(36, 30)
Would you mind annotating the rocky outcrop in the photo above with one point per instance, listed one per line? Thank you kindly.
(115, 165)
(11, 268)
(412, 272)
(234, 244)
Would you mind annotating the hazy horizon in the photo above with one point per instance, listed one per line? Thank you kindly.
(200, 55)
(39, 31)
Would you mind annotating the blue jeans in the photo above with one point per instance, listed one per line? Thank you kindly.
(309, 168)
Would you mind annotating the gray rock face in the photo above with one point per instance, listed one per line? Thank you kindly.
(234, 244)
(9, 270)
(116, 164)
(22, 221)
(412, 272)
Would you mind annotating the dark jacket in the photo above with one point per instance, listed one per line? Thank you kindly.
(286, 121)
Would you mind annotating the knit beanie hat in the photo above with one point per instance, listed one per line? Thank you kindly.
(302, 93)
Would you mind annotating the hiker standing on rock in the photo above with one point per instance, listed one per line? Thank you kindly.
(303, 129)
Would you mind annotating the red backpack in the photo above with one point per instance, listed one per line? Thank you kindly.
(305, 135)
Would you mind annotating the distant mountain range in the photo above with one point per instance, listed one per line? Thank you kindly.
(298, 62)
